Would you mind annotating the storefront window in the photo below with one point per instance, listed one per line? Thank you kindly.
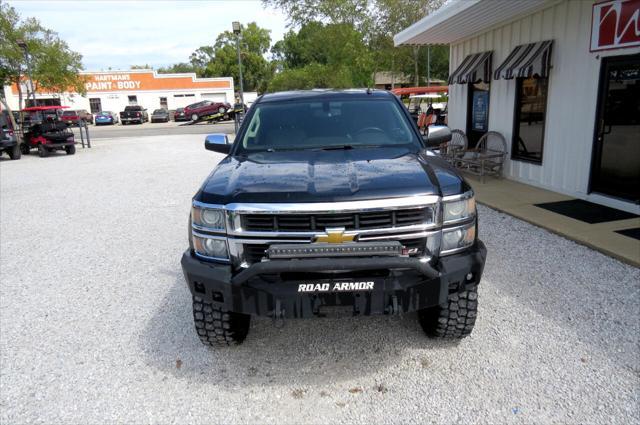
(530, 115)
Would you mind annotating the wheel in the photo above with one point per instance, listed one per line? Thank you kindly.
(222, 110)
(194, 117)
(14, 152)
(219, 328)
(453, 320)
(24, 148)
(42, 151)
(70, 150)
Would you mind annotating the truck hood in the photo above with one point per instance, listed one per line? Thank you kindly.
(329, 176)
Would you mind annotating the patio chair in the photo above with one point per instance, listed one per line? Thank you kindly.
(487, 158)
(455, 148)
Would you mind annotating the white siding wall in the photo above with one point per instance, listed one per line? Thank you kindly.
(571, 105)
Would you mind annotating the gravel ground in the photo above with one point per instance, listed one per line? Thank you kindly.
(96, 323)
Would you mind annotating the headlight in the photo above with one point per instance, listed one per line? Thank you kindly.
(459, 210)
(209, 218)
(458, 238)
(210, 247)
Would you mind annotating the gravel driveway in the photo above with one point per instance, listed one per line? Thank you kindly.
(96, 325)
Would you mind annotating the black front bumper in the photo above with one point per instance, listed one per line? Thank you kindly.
(271, 288)
(60, 145)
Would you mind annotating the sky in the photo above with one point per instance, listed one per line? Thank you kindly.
(118, 34)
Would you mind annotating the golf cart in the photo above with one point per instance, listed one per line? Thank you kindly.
(43, 130)
(434, 104)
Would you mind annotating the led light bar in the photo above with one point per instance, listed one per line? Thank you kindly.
(323, 250)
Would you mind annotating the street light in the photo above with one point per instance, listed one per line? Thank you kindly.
(30, 89)
(237, 30)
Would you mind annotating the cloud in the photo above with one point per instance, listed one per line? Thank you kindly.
(118, 34)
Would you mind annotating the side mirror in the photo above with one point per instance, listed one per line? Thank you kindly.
(217, 143)
(437, 135)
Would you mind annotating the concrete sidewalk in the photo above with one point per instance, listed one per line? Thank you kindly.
(518, 200)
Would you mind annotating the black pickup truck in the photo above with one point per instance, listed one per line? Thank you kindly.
(332, 198)
(134, 114)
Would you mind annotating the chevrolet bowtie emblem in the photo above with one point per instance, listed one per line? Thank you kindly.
(334, 236)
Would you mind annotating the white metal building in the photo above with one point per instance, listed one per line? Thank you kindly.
(560, 79)
(113, 90)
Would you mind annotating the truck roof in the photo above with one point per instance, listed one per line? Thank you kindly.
(324, 94)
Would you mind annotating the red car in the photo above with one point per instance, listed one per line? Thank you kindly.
(206, 107)
(73, 117)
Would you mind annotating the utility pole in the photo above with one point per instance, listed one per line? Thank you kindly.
(237, 30)
(30, 88)
(428, 65)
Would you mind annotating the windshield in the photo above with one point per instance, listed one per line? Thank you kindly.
(159, 111)
(328, 124)
(105, 113)
(69, 113)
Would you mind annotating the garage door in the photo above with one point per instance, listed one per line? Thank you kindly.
(214, 97)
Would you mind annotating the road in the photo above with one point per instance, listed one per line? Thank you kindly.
(96, 322)
(156, 129)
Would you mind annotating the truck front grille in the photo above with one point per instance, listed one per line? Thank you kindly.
(350, 221)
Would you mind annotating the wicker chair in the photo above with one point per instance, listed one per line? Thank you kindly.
(487, 158)
(456, 147)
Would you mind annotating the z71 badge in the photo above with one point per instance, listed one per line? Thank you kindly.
(336, 286)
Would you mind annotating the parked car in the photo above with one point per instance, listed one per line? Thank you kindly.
(179, 115)
(332, 199)
(46, 132)
(201, 109)
(106, 118)
(72, 117)
(8, 137)
(160, 115)
(134, 114)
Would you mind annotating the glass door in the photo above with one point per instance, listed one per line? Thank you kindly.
(616, 160)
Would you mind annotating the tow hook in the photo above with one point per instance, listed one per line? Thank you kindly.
(393, 307)
(278, 315)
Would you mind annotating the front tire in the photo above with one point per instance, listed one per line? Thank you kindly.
(71, 149)
(42, 151)
(219, 328)
(453, 320)
(194, 117)
(15, 153)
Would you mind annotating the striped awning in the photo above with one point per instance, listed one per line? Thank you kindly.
(526, 61)
(473, 69)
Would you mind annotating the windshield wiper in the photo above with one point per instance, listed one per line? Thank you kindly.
(336, 148)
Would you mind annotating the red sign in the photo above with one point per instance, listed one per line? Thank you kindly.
(615, 24)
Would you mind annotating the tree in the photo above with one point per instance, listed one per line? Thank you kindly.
(353, 12)
(221, 59)
(254, 45)
(378, 21)
(177, 68)
(53, 66)
(319, 55)
(145, 66)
